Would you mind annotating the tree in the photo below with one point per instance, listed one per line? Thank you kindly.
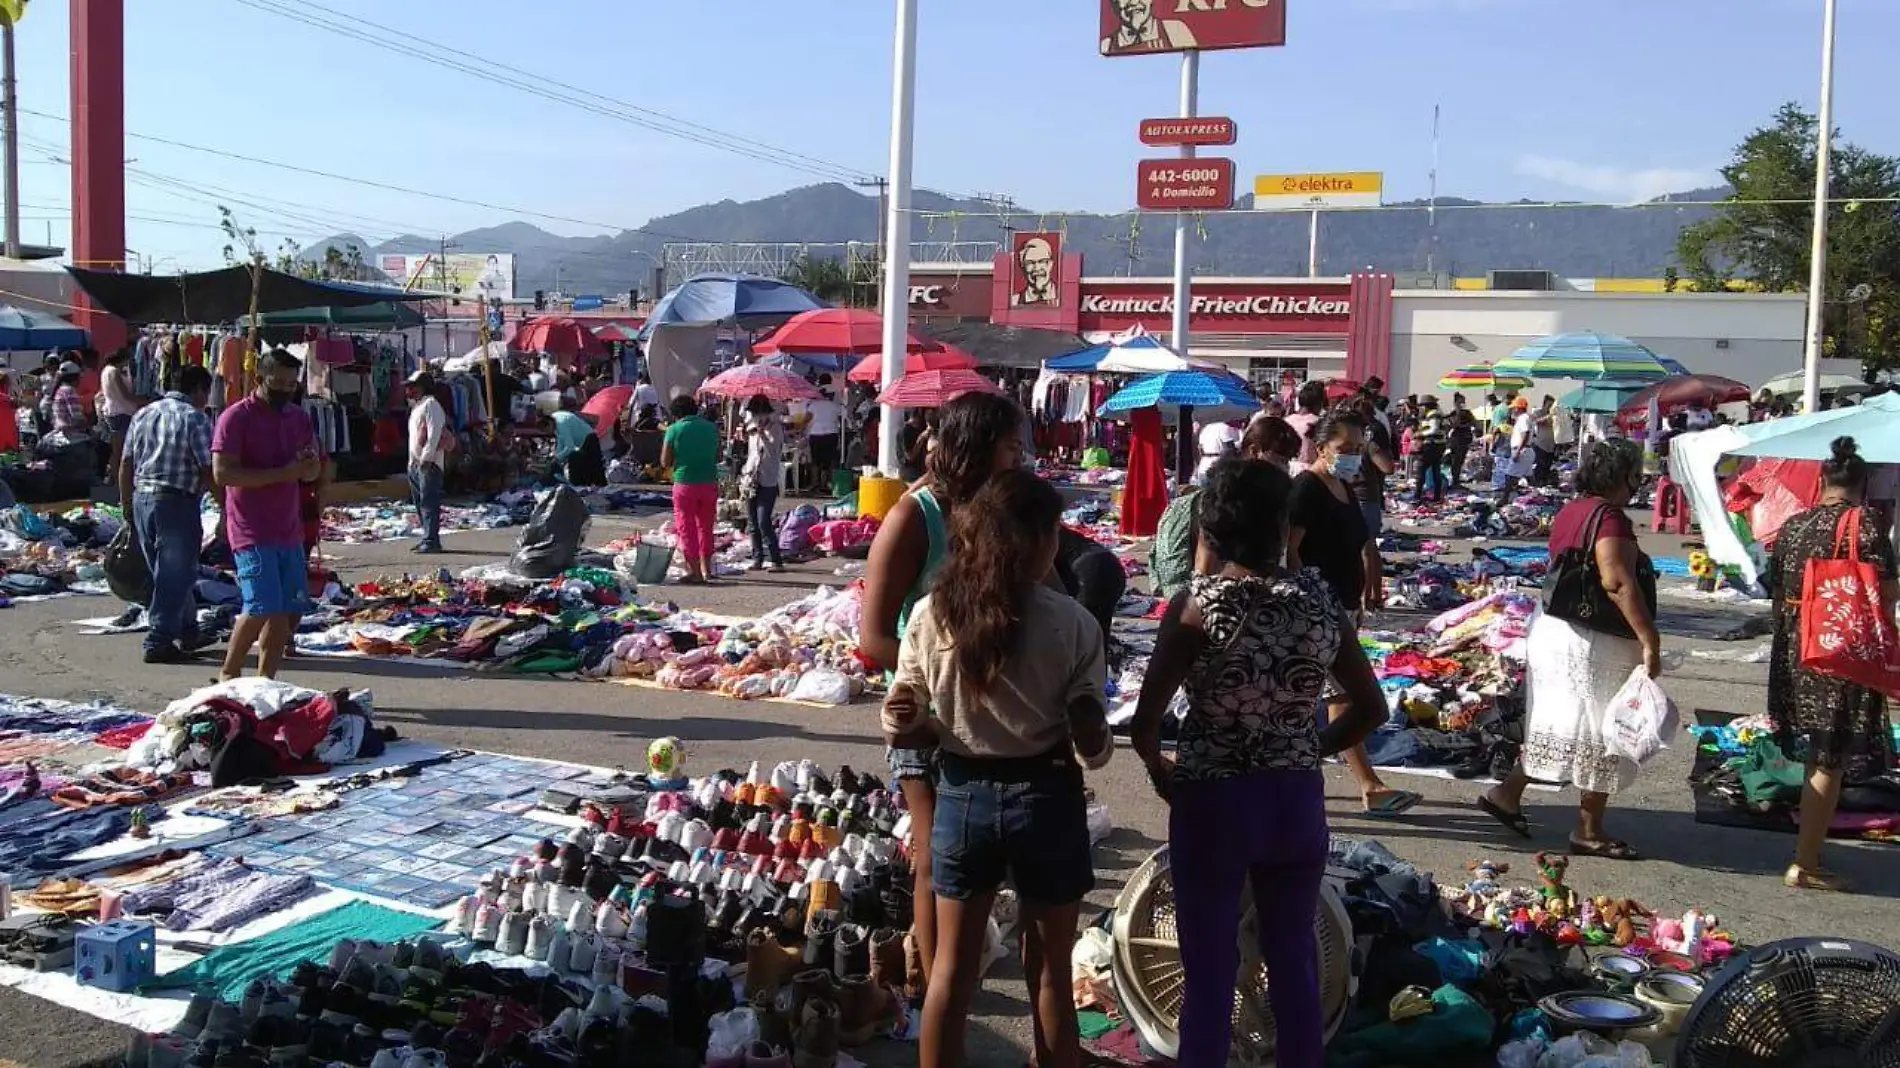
(826, 279)
(1763, 234)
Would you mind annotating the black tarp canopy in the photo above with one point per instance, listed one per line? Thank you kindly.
(1004, 346)
(385, 315)
(224, 295)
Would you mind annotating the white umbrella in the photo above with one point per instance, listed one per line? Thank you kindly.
(1795, 381)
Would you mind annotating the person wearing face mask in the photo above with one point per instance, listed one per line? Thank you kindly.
(263, 447)
(1327, 532)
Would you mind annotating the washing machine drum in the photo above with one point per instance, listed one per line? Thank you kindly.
(1148, 975)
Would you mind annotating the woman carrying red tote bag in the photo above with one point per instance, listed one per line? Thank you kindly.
(1844, 633)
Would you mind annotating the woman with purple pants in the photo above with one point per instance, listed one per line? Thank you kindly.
(1247, 799)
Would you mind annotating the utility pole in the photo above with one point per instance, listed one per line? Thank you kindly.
(883, 186)
(1823, 174)
(442, 285)
(10, 115)
(897, 225)
(1431, 212)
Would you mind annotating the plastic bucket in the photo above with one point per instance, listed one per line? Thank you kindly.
(878, 495)
(650, 563)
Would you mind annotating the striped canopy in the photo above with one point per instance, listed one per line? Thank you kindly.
(1481, 376)
(1585, 355)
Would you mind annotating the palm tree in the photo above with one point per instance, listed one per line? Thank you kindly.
(825, 279)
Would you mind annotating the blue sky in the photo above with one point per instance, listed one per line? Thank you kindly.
(1612, 100)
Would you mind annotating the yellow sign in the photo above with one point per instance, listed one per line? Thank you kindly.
(1309, 192)
(11, 12)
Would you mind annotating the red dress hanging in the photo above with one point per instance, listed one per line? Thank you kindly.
(1145, 494)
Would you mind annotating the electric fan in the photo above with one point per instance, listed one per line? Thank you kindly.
(1147, 965)
(1798, 1003)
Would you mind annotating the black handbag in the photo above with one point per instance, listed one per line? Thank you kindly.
(1573, 590)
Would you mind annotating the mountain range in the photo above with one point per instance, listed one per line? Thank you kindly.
(1468, 238)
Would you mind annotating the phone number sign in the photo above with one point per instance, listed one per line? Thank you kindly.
(1205, 183)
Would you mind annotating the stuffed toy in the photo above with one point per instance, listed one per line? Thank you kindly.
(1483, 884)
(1551, 868)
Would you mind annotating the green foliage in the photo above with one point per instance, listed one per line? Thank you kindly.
(1765, 238)
(829, 279)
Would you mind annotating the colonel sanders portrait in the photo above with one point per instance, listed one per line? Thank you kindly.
(1036, 274)
(1138, 30)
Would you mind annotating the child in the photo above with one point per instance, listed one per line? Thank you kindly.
(1004, 675)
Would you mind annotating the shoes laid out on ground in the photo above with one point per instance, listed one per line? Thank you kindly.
(789, 886)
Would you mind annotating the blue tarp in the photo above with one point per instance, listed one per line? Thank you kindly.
(730, 298)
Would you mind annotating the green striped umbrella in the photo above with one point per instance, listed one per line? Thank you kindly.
(1481, 376)
(1586, 355)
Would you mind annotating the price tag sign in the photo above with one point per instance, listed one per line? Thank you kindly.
(1201, 184)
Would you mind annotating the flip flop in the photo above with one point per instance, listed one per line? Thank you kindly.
(1608, 848)
(1512, 821)
(1395, 804)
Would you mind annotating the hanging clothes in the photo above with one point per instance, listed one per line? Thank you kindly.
(1145, 494)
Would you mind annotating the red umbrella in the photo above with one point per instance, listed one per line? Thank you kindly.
(1683, 391)
(1338, 389)
(832, 330)
(934, 389)
(606, 406)
(563, 339)
(943, 358)
(751, 380)
(617, 332)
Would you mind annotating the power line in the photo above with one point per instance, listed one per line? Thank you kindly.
(501, 73)
(1004, 215)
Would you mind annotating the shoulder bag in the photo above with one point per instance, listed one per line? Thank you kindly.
(1573, 590)
(1844, 633)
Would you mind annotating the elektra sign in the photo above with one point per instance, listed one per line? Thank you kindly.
(1256, 306)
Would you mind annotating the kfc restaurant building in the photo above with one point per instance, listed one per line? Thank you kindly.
(1361, 326)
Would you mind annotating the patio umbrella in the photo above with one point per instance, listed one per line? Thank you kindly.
(21, 328)
(607, 405)
(1338, 389)
(740, 299)
(616, 331)
(563, 339)
(1134, 352)
(1587, 355)
(1602, 397)
(828, 330)
(750, 380)
(1810, 437)
(934, 389)
(1482, 376)
(947, 358)
(1793, 382)
(1674, 394)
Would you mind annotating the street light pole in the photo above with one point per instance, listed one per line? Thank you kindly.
(10, 114)
(1823, 170)
(1183, 224)
(897, 227)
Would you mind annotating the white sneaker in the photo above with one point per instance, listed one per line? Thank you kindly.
(540, 932)
(669, 826)
(610, 846)
(464, 922)
(854, 846)
(753, 775)
(700, 874)
(681, 872)
(696, 834)
(847, 879)
(512, 938)
(560, 900)
(533, 896)
(610, 921)
(731, 879)
(487, 924)
(785, 778)
(606, 966)
(818, 870)
(341, 953)
(586, 948)
(580, 918)
(607, 1002)
(901, 832)
(560, 947)
(880, 849)
(582, 836)
(390, 1058)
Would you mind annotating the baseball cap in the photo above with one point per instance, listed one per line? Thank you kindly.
(68, 368)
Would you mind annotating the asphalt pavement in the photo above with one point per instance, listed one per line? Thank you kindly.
(1735, 874)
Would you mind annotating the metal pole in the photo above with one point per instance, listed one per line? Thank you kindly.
(10, 114)
(1312, 247)
(1183, 300)
(897, 227)
(1817, 277)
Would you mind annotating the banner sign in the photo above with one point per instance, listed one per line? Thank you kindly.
(1206, 130)
(1205, 183)
(1310, 192)
(1145, 27)
(467, 274)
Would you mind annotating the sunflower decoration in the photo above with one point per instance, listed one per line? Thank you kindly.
(1703, 569)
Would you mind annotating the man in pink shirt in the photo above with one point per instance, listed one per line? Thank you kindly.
(263, 447)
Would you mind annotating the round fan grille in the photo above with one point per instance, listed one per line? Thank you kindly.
(1799, 1003)
(1148, 974)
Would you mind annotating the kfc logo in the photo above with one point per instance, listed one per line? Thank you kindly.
(931, 296)
(1136, 27)
(1035, 283)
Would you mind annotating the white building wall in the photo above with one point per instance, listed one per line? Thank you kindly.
(1750, 337)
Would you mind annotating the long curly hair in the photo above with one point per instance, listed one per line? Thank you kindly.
(984, 588)
(969, 430)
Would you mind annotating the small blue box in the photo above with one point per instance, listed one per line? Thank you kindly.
(119, 955)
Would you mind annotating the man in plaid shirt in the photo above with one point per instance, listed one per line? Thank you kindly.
(163, 473)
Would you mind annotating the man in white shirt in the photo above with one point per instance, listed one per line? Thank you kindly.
(644, 396)
(822, 433)
(118, 402)
(1217, 442)
(428, 448)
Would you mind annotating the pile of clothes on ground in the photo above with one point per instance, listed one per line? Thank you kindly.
(1742, 778)
(361, 523)
(1466, 515)
(256, 728)
(44, 555)
(802, 651)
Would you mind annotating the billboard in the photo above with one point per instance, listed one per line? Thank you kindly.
(469, 274)
(1203, 183)
(1144, 27)
(1310, 192)
(1036, 270)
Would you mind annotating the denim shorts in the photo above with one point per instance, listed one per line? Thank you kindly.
(1023, 820)
(273, 580)
(909, 764)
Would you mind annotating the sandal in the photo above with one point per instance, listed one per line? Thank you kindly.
(1607, 848)
(1515, 822)
(1395, 803)
(1800, 878)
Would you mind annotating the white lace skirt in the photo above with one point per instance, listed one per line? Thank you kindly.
(1571, 675)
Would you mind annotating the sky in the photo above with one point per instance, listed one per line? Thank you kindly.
(1609, 101)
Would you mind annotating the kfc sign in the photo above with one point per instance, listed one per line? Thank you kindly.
(1141, 27)
(1257, 306)
(928, 296)
(1036, 277)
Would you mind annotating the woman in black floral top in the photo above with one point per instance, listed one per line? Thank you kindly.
(1254, 648)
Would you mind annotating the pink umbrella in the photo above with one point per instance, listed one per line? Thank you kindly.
(775, 383)
(934, 389)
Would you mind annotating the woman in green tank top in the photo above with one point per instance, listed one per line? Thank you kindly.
(977, 435)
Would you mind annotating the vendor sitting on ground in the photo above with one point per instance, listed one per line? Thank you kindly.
(578, 460)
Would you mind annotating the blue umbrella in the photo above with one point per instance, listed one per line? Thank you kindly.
(1090, 358)
(1585, 354)
(1211, 396)
(23, 329)
(1871, 424)
(730, 298)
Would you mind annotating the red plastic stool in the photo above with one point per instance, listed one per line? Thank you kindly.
(1671, 512)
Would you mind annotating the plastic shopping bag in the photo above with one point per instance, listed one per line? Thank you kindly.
(1640, 719)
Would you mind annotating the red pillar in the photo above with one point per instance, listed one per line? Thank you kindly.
(98, 122)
